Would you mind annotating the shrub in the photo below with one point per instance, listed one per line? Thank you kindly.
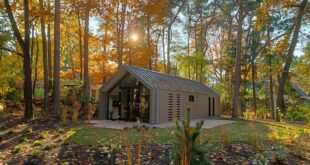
(225, 135)
(13, 95)
(253, 138)
(47, 146)
(297, 113)
(17, 149)
(186, 149)
(29, 130)
(75, 111)
(262, 112)
(64, 113)
(61, 130)
(37, 143)
(23, 139)
(43, 134)
(37, 152)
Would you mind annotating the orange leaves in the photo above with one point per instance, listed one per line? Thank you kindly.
(263, 11)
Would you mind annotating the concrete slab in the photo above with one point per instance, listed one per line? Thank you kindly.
(118, 124)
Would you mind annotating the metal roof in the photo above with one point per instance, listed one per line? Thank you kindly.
(164, 81)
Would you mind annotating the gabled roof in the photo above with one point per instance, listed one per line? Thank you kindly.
(153, 79)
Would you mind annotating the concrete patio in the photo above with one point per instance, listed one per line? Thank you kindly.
(118, 124)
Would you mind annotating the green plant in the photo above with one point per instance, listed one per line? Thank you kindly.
(225, 135)
(253, 138)
(23, 139)
(37, 143)
(186, 149)
(279, 152)
(297, 113)
(262, 112)
(17, 149)
(13, 95)
(43, 134)
(29, 130)
(61, 130)
(47, 146)
(37, 152)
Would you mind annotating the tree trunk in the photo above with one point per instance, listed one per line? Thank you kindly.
(35, 66)
(168, 49)
(49, 56)
(253, 83)
(290, 55)
(45, 62)
(122, 29)
(80, 46)
(27, 59)
(56, 84)
(236, 101)
(164, 48)
(86, 87)
(119, 55)
(149, 41)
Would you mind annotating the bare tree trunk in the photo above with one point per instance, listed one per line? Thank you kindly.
(119, 55)
(25, 48)
(56, 84)
(290, 55)
(49, 56)
(253, 83)
(149, 41)
(86, 87)
(122, 29)
(188, 45)
(35, 66)
(45, 62)
(236, 101)
(80, 46)
(168, 49)
(164, 48)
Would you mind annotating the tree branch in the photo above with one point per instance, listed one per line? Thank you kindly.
(13, 23)
(12, 51)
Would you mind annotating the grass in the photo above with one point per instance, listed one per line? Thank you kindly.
(92, 136)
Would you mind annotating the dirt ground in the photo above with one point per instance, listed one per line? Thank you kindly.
(42, 141)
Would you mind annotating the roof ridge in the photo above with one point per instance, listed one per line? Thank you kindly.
(130, 66)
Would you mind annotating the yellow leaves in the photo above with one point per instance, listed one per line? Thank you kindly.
(282, 45)
(263, 11)
(262, 17)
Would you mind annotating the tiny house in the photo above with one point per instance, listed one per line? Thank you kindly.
(138, 94)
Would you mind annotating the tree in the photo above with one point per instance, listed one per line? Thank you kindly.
(24, 43)
(45, 58)
(236, 102)
(290, 55)
(86, 87)
(56, 80)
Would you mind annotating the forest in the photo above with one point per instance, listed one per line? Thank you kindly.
(55, 55)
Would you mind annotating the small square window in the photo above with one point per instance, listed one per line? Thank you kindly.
(191, 98)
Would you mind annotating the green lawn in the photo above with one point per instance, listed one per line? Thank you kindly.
(239, 131)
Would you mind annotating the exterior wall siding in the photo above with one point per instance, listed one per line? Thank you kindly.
(199, 107)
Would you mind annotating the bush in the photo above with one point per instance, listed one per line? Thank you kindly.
(262, 112)
(43, 134)
(225, 135)
(13, 95)
(298, 113)
(36, 152)
(47, 147)
(37, 143)
(17, 149)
